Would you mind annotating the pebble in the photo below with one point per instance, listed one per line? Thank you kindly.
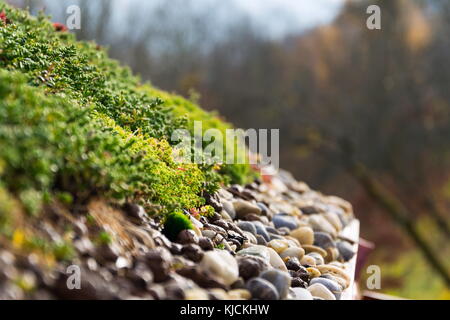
(238, 284)
(222, 264)
(293, 252)
(317, 257)
(239, 294)
(298, 283)
(243, 208)
(253, 217)
(250, 237)
(301, 294)
(302, 273)
(264, 209)
(201, 277)
(308, 260)
(262, 289)
(213, 200)
(221, 223)
(312, 248)
(334, 220)
(157, 291)
(251, 266)
(272, 230)
(332, 254)
(320, 291)
(281, 220)
(323, 240)
(275, 260)
(275, 236)
(310, 210)
(206, 243)
(136, 212)
(229, 209)
(187, 236)
(281, 280)
(338, 273)
(196, 294)
(333, 286)
(247, 226)
(217, 294)
(225, 215)
(293, 264)
(278, 245)
(260, 240)
(209, 233)
(345, 250)
(283, 231)
(313, 272)
(257, 250)
(261, 230)
(192, 252)
(158, 260)
(319, 223)
(304, 235)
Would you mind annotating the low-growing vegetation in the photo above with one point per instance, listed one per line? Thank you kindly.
(75, 125)
(74, 120)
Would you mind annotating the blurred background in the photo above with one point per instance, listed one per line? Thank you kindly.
(363, 114)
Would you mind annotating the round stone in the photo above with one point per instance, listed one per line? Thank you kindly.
(262, 289)
(259, 251)
(222, 264)
(251, 266)
(319, 259)
(239, 294)
(308, 261)
(345, 250)
(281, 220)
(319, 290)
(247, 226)
(333, 286)
(301, 294)
(293, 252)
(323, 240)
(281, 280)
(261, 230)
(187, 236)
(293, 264)
(192, 252)
(229, 209)
(260, 240)
(319, 223)
(206, 243)
(243, 208)
(278, 245)
(298, 283)
(304, 235)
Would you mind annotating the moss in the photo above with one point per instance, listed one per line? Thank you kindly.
(75, 123)
(174, 223)
(63, 251)
(104, 238)
(54, 145)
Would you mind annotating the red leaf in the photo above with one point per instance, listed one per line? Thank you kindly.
(59, 26)
(3, 17)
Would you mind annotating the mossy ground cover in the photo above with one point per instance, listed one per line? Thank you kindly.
(74, 125)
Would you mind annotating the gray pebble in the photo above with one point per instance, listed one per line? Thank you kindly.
(262, 289)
